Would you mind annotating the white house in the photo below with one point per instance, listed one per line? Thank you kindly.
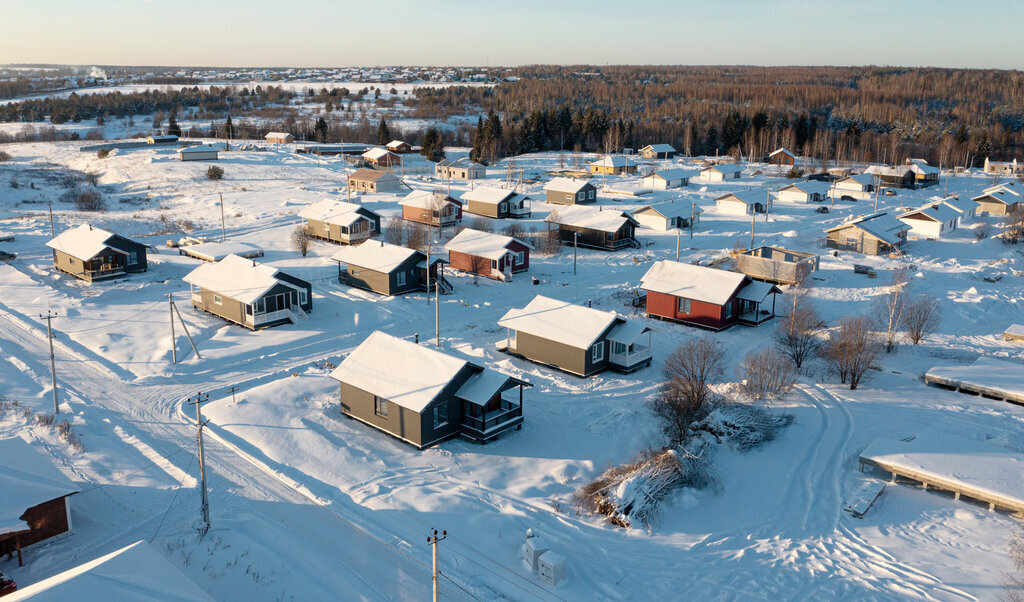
(201, 152)
(668, 178)
(860, 186)
(744, 202)
(931, 221)
(719, 173)
(809, 191)
(966, 207)
(667, 216)
(1005, 168)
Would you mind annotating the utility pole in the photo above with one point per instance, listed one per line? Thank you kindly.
(693, 210)
(51, 220)
(433, 540)
(223, 233)
(753, 216)
(575, 236)
(53, 367)
(174, 341)
(197, 400)
(185, 328)
(428, 275)
(678, 234)
(437, 312)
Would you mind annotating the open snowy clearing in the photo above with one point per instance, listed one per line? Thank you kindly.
(307, 503)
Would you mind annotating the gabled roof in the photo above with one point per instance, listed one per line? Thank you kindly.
(364, 174)
(241, 279)
(83, 242)
(885, 170)
(202, 148)
(692, 281)
(483, 385)
(750, 197)
(482, 244)
(962, 205)
(567, 323)
(1003, 195)
(613, 161)
(27, 479)
(1007, 186)
(490, 195)
(396, 143)
(674, 173)
(402, 372)
(808, 187)
(425, 199)
(567, 185)
(590, 218)
(781, 150)
(277, 135)
(335, 212)
(882, 225)
(136, 573)
(756, 291)
(924, 168)
(659, 148)
(723, 168)
(864, 179)
(375, 255)
(667, 210)
(377, 153)
(937, 212)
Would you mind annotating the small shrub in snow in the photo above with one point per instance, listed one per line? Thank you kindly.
(983, 229)
(795, 172)
(4, 157)
(215, 172)
(14, 181)
(743, 426)
(767, 374)
(89, 200)
(103, 153)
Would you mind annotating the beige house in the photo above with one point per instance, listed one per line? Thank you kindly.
(279, 138)
(460, 170)
(874, 234)
(998, 200)
(340, 222)
(93, 254)
(371, 180)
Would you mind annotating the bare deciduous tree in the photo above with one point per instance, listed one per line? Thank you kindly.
(983, 229)
(851, 349)
(797, 333)
(889, 307)
(482, 224)
(921, 317)
(690, 370)
(301, 240)
(515, 230)
(417, 237)
(394, 231)
(1014, 222)
(767, 374)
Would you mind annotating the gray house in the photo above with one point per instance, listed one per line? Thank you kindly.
(388, 269)
(249, 294)
(423, 395)
(576, 339)
(563, 191)
(776, 264)
(93, 254)
(340, 222)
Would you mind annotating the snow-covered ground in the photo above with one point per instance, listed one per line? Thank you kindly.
(307, 503)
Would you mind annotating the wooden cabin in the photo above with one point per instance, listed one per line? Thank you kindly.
(595, 228)
(340, 222)
(372, 180)
(93, 254)
(744, 202)
(423, 395)
(566, 191)
(664, 179)
(706, 297)
(614, 165)
(279, 138)
(497, 203)
(777, 264)
(399, 147)
(389, 269)
(249, 294)
(782, 156)
(381, 157)
(431, 208)
(492, 255)
(875, 234)
(658, 151)
(576, 339)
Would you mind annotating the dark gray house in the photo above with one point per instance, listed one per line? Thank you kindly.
(93, 254)
(565, 191)
(594, 227)
(389, 269)
(249, 294)
(576, 339)
(423, 395)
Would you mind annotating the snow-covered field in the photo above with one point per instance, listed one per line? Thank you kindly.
(307, 504)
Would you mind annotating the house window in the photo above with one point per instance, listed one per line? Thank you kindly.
(728, 309)
(133, 258)
(590, 194)
(327, 227)
(582, 196)
(684, 305)
(440, 415)
(597, 352)
(261, 306)
(217, 299)
(494, 264)
(380, 407)
(344, 229)
(400, 278)
(520, 258)
(302, 297)
(618, 348)
(502, 207)
(569, 197)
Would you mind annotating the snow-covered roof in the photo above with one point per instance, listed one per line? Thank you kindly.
(986, 372)
(962, 204)
(673, 173)
(999, 193)
(365, 174)
(375, 255)
(425, 199)
(924, 168)
(567, 185)
(483, 385)
(134, 573)
(377, 153)
(659, 148)
(83, 242)
(215, 251)
(935, 211)
(573, 325)
(490, 195)
(749, 197)
(864, 179)
(27, 479)
(724, 168)
(613, 161)
(679, 209)
(756, 291)
(481, 244)
(276, 135)
(808, 187)
(627, 332)
(395, 143)
(781, 150)
(241, 279)
(402, 372)
(692, 281)
(334, 212)
(882, 225)
(1015, 330)
(885, 170)
(202, 148)
(590, 218)
(1007, 186)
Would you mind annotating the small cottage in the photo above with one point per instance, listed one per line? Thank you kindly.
(279, 138)
(381, 157)
(399, 147)
(1004, 168)
(566, 191)
(423, 395)
(576, 339)
(875, 234)
(431, 208)
(667, 216)
(932, 221)
(492, 255)
(809, 191)
(460, 169)
(998, 200)
(664, 179)
(595, 228)
(614, 165)
(372, 180)
(340, 222)
(899, 176)
(201, 152)
(658, 151)
(93, 254)
(924, 175)
(169, 139)
(777, 264)
(856, 187)
(496, 203)
(745, 202)
(782, 156)
(706, 297)
(389, 269)
(720, 173)
(249, 294)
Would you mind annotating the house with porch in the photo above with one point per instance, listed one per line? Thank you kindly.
(567, 191)
(423, 395)
(664, 179)
(372, 180)
(706, 297)
(744, 202)
(658, 151)
(340, 222)
(389, 269)
(249, 294)
(93, 254)
(576, 339)
(808, 191)
(721, 172)
(931, 221)
(431, 208)
(875, 234)
(492, 255)
(667, 216)
(595, 227)
(614, 165)
(497, 203)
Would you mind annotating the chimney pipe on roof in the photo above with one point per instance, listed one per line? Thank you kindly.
(253, 263)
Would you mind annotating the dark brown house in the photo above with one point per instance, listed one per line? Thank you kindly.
(594, 228)
(497, 203)
(576, 339)
(249, 294)
(389, 269)
(781, 156)
(34, 497)
(423, 395)
(93, 254)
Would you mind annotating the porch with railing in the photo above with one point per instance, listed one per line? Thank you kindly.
(633, 355)
(491, 423)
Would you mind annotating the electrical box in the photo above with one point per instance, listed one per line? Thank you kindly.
(551, 568)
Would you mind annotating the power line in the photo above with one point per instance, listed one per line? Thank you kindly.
(173, 497)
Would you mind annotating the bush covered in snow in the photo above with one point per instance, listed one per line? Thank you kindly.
(215, 172)
(742, 425)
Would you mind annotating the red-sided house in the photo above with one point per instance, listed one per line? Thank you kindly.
(706, 297)
(492, 255)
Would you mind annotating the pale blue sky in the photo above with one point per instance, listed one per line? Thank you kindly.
(461, 32)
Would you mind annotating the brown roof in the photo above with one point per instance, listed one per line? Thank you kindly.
(368, 175)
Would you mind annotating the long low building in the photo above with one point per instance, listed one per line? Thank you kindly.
(987, 376)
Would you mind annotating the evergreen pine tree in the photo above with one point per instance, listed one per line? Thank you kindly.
(173, 129)
(321, 129)
(229, 129)
(383, 135)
